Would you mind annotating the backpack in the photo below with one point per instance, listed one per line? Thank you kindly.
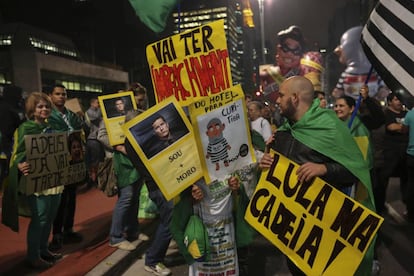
(106, 177)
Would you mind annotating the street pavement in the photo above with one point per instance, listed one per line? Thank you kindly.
(93, 256)
(92, 220)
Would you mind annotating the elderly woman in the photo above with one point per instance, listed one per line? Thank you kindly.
(42, 205)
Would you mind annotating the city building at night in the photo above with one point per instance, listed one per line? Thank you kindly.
(34, 59)
(197, 13)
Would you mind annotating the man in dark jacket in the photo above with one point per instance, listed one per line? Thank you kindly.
(322, 145)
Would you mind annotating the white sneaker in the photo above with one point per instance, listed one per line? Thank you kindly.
(124, 245)
(143, 237)
(159, 269)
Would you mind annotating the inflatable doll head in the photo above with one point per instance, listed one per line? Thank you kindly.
(350, 52)
(290, 49)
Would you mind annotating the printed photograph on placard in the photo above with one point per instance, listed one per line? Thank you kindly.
(163, 138)
(159, 131)
(114, 108)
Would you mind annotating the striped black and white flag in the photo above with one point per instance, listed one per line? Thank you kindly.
(388, 42)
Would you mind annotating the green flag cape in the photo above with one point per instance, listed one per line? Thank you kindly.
(362, 138)
(321, 130)
(154, 13)
(57, 123)
(11, 198)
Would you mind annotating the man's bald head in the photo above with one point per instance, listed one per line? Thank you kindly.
(296, 97)
(302, 87)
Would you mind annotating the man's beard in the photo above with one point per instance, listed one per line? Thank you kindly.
(289, 111)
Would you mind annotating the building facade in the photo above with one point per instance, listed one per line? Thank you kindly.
(196, 13)
(34, 59)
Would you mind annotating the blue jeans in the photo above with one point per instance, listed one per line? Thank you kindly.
(43, 210)
(156, 252)
(125, 214)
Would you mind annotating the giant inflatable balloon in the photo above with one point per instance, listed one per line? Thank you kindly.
(351, 54)
(291, 59)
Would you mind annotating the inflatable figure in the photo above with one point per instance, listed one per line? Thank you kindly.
(351, 54)
(311, 68)
(290, 52)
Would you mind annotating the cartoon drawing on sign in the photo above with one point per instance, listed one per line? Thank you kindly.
(217, 145)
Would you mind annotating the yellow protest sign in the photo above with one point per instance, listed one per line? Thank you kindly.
(191, 64)
(164, 140)
(48, 156)
(222, 131)
(323, 231)
(114, 108)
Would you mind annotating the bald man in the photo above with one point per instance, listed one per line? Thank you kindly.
(321, 144)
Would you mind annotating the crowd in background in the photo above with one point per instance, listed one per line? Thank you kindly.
(387, 148)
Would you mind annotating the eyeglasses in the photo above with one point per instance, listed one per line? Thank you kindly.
(296, 51)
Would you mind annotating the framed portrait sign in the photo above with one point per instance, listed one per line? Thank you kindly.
(114, 108)
(164, 140)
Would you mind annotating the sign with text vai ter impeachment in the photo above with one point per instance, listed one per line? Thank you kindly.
(322, 230)
(191, 64)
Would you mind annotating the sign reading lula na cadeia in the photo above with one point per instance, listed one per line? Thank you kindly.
(322, 230)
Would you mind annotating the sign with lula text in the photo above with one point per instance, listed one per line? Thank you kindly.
(322, 230)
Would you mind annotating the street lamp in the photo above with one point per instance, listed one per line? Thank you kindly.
(262, 34)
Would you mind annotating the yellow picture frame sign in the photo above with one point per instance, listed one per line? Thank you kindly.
(191, 64)
(113, 121)
(321, 229)
(174, 162)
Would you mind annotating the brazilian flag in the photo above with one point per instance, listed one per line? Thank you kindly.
(362, 138)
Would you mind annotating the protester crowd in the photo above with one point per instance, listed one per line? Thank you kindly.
(289, 123)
